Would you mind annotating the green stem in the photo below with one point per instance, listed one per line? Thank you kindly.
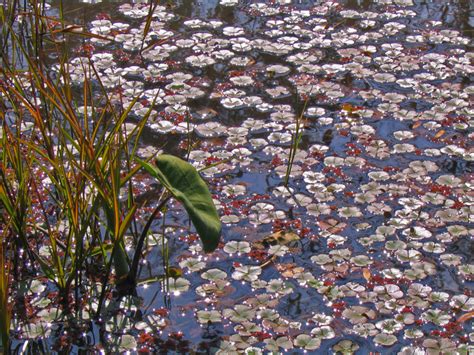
(141, 241)
(295, 141)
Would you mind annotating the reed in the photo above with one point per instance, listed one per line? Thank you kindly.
(68, 163)
(5, 307)
(295, 142)
(64, 170)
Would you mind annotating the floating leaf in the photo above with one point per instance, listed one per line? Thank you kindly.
(465, 317)
(366, 273)
(237, 247)
(439, 133)
(127, 342)
(277, 238)
(208, 316)
(346, 347)
(331, 225)
(385, 339)
(307, 342)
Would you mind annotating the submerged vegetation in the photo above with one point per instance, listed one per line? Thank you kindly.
(336, 149)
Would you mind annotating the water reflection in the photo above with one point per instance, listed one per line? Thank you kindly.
(458, 14)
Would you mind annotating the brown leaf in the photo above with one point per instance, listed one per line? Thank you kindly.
(366, 273)
(207, 112)
(440, 133)
(331, 225)
(277, 238)
(416, 124)
(276, 327)
(289, 270)
(251, 62)
(341, 268)
(71, 28)
(466, 317)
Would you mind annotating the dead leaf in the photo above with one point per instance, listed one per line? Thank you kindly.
(347, 107)
(276, 327)
(207, 112)
(331, 225)
(251, 62)
(289, 270)
(466, 317)
(366, 273)
(71, 28)
(277, 238)
(268, 261)
(341, 268)
(439, 134)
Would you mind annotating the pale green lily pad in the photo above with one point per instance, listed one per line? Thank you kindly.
(307, 342)
(239, 313)
(176, 286)
(385, 339)
(208, 316)
(345, 347)
(214, 275)
(127, 342)
(237, 247)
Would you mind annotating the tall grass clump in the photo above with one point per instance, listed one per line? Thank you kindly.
(68, 169)
(64, 155)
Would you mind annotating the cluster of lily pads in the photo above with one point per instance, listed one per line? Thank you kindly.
(369, 245)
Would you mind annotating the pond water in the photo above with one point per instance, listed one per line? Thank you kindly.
(371, 245)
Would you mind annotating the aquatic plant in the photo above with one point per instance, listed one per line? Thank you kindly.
(5, 305)
(368, 241)
(296, 136)
(68, 170)
(182, 182)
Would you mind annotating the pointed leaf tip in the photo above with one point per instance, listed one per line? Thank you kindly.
(183, 181)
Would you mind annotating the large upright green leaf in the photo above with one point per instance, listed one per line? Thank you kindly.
(186, 185)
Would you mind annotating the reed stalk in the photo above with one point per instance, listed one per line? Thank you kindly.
(295, 142)
(5, 305)
(68, 168)
(66, 177)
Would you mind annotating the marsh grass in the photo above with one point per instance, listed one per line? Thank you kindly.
(66, 177)
(69, 161)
